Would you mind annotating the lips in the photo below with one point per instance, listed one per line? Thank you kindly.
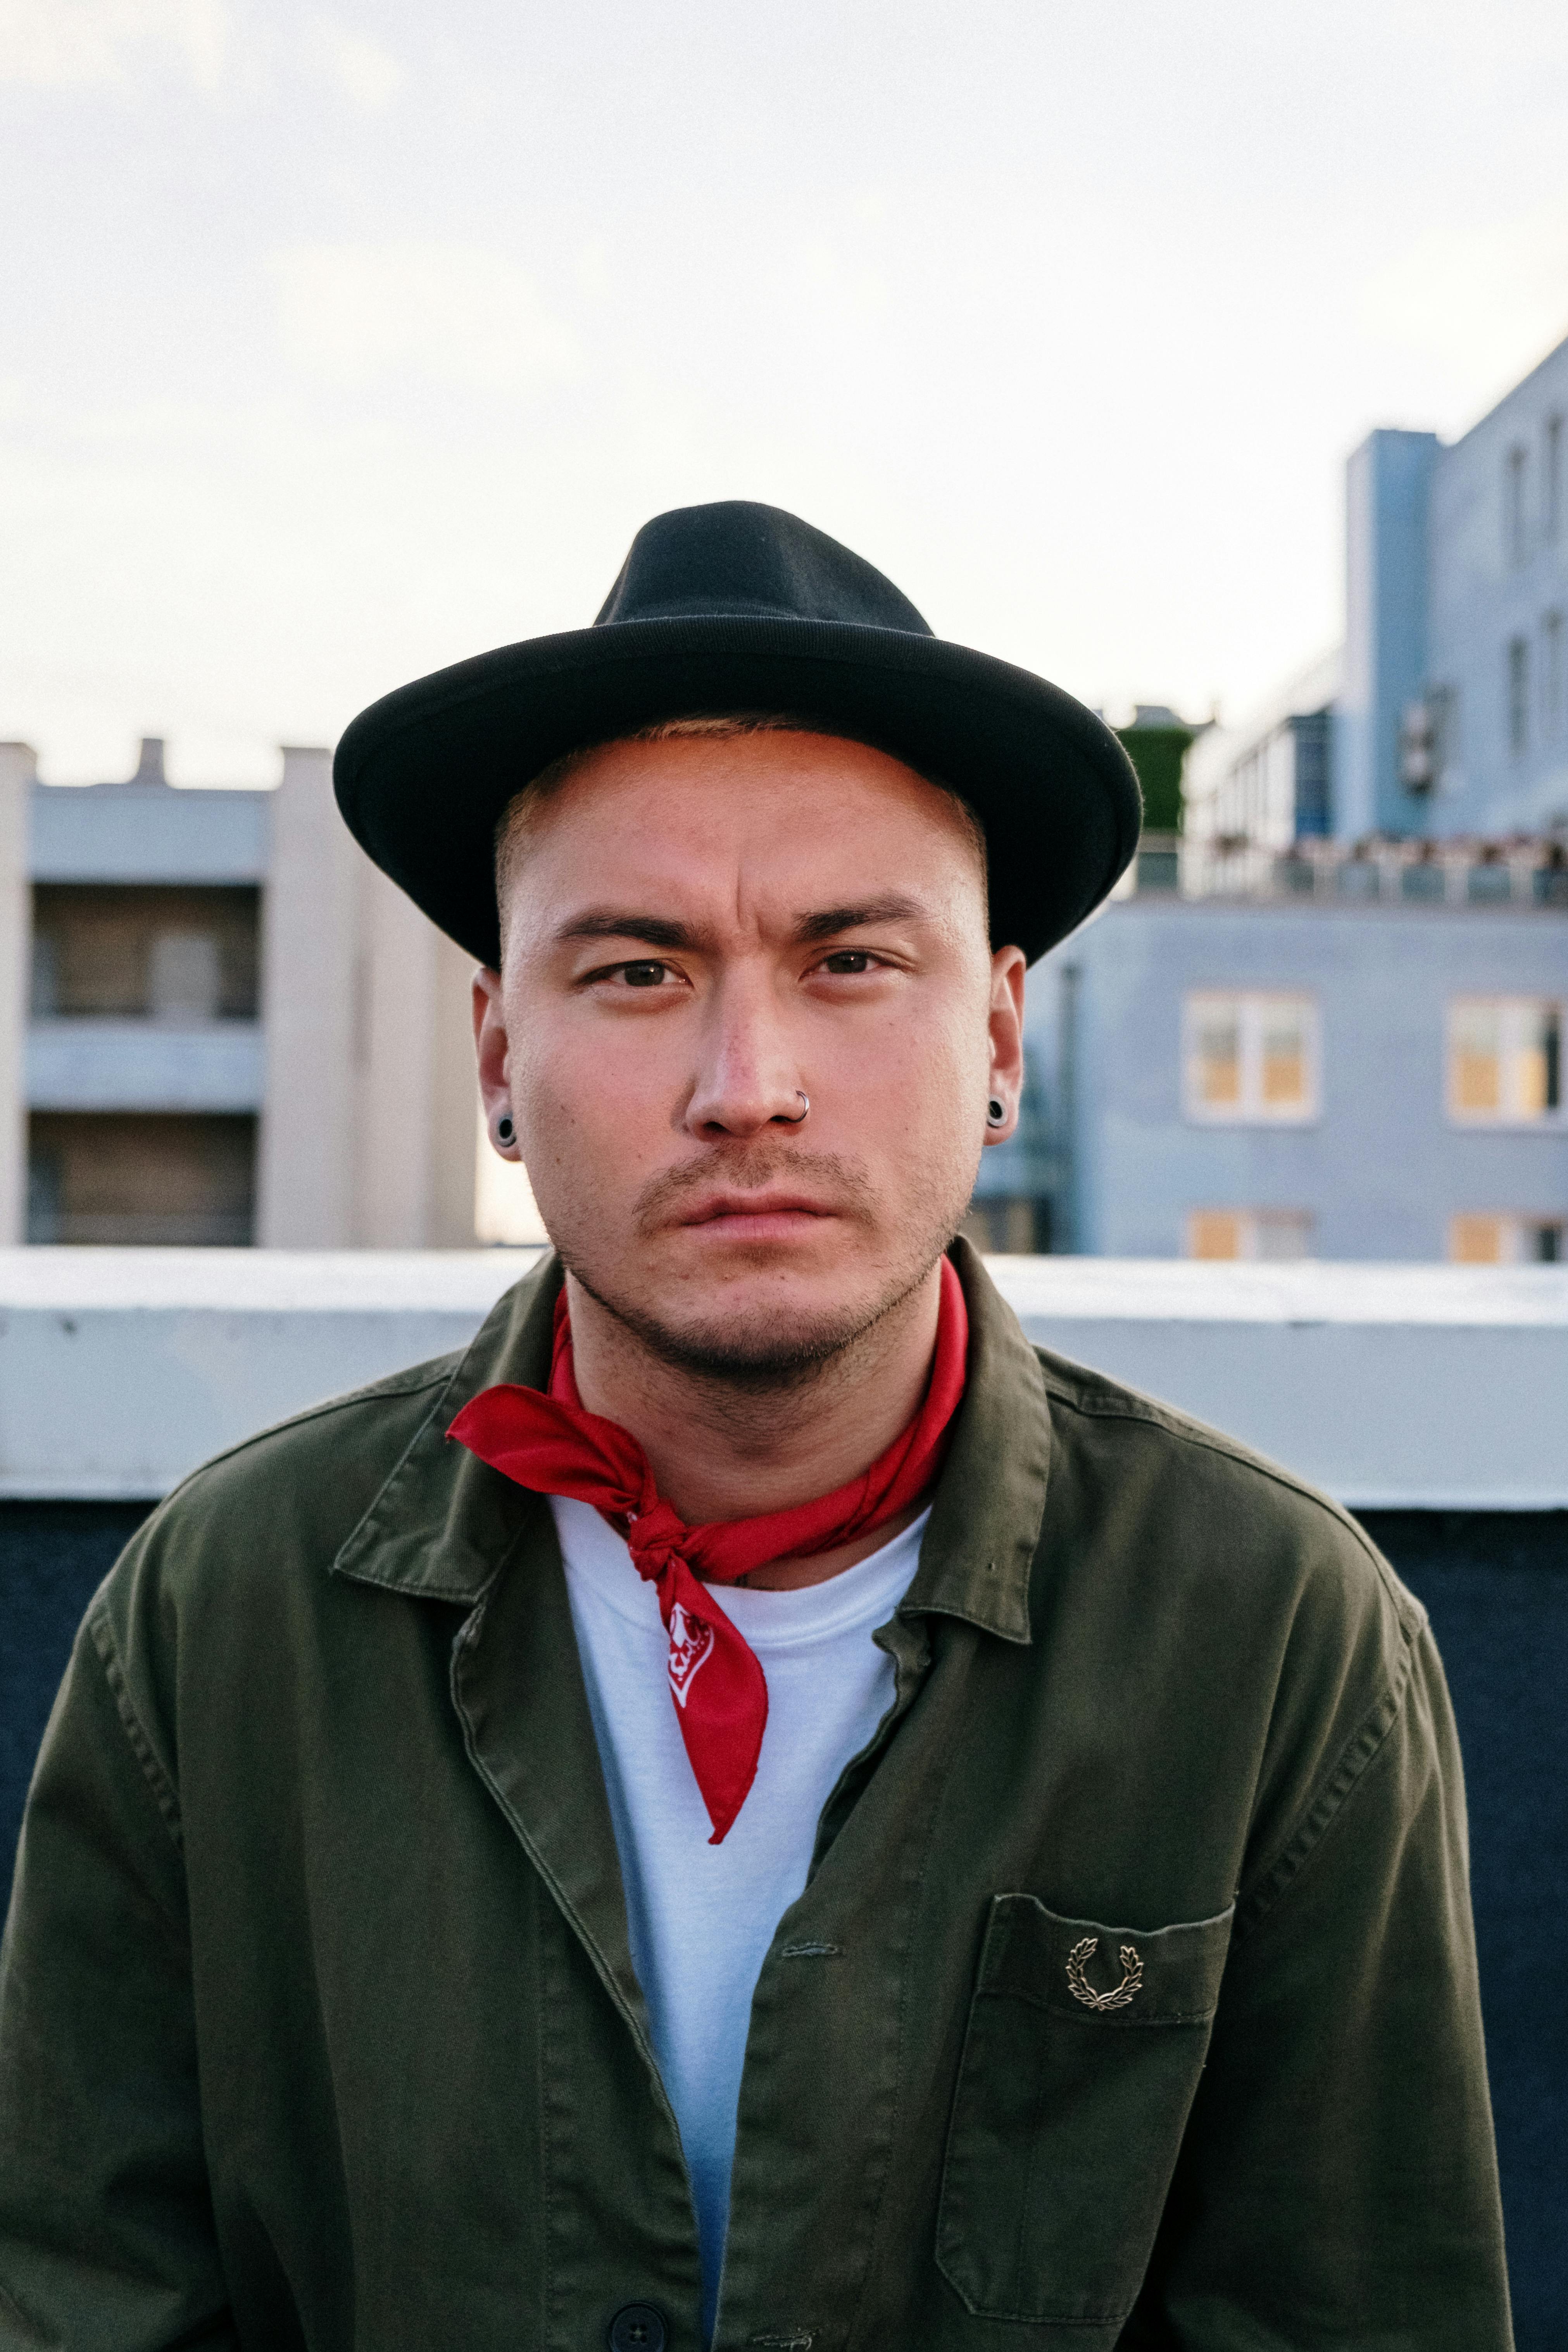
(745, 1208)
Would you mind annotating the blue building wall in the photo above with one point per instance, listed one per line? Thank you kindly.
(1387, 491)
(1455, 575)
(1382, 1168)
(1486, 592)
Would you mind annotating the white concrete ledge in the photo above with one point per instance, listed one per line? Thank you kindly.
(1391, 1386)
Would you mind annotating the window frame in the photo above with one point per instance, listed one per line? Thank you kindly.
(1516, 507)
(1553, 678)
(1250, 1224)
(1509, 1008)
(1516, 696)
(1552, 480)
(1512, 1227)
(1251, 1006)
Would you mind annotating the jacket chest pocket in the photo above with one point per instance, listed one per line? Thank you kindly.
(1083, 2051)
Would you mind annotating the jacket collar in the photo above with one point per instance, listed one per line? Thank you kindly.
(444, 1522)
(990, 1500)
(441, 1525)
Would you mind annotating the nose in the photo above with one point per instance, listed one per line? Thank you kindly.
(749, 1076)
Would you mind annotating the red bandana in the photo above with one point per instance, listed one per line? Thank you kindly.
(553, 1444)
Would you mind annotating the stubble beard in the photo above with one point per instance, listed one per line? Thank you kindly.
(760, 1354)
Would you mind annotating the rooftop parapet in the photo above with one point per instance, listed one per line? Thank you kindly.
(1526, 871)
(1421, 1386)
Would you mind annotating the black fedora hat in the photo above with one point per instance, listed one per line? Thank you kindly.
(729, 608)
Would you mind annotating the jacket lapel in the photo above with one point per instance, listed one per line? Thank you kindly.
(445, 1527)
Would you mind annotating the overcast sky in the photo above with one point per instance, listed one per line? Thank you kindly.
(335, 346)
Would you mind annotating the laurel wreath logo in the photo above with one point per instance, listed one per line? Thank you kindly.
(1129, 1988)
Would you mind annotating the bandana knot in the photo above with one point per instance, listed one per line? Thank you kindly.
(553, 1444)
(654, 1534)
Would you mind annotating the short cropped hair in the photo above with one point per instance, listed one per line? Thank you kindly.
(511, 827)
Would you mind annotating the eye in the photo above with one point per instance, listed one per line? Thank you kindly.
(846, 962)
(643, 975)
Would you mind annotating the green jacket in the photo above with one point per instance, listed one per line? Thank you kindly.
(1131, 2001)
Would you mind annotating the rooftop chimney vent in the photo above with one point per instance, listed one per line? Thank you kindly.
(150, 765)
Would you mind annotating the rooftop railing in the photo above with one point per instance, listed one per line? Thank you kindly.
(1519, 873)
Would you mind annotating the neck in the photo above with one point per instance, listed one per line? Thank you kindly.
(719, 1451)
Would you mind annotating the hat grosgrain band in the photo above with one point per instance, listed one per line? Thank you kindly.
(736, 608)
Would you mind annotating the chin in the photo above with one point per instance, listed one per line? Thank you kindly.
(765, 1330)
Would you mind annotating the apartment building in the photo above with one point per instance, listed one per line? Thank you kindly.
(219, 1025)
(1445, 713)
(1356, 1068)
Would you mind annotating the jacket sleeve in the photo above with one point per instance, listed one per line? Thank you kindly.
(1338, 2181)
(106, 2226)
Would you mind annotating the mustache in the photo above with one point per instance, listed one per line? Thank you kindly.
(838, 1183)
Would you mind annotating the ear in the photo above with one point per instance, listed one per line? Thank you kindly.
(1006, 1029)
(493, 1049)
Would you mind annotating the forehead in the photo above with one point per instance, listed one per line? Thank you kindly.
(800, 814)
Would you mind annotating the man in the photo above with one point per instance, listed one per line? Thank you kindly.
(750, 1807)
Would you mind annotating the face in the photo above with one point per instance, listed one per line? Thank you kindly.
(702, 936)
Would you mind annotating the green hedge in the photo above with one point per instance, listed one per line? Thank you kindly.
(1157, 753)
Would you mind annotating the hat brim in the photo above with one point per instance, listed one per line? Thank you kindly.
(423, 776)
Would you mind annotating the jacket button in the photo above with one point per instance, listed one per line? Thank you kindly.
(638, 2328)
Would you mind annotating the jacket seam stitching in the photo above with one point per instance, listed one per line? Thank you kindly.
(566, 1906)
(563, 1901)
(1359, 1752)
(1411, 1612)
(901, 2088)
(1043, 2319)
(163, 1790)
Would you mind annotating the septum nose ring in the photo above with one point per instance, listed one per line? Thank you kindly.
(804, 1102)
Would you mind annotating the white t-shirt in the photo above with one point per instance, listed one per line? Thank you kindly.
(701, 1916)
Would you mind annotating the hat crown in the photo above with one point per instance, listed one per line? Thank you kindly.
(734, 558)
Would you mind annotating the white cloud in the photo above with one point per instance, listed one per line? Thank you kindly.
(455, 314)
(57, 43)
(369, 76)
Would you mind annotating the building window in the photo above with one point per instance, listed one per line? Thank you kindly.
(1417, 753)
(1492, 1237)
(1272, 1233)
(1552, 480)
(1505, 1060)
(183, 983)
(1250, 1057)
(1515, 528)
(1314, 811)
(1518, 695)
(142, 1178)
(1552, 680)
(128, 951)
(43, 996)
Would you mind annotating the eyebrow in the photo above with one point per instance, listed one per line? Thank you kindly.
(624, 923)
(894, 908)
(659, 932)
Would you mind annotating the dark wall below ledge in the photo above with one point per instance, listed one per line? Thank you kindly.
(1497, 1586)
